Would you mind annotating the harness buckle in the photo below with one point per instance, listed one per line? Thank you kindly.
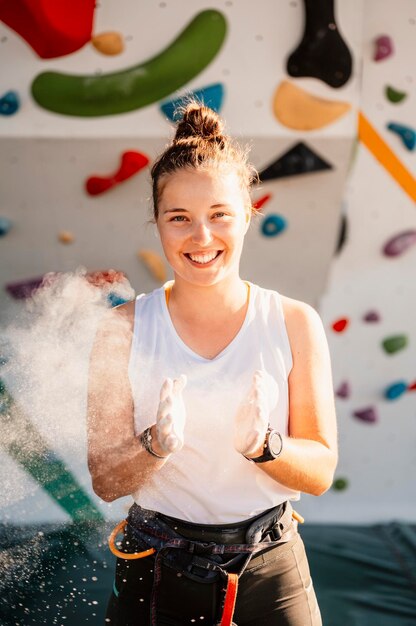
(202, 548)
(275, 533)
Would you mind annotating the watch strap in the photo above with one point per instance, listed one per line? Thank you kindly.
(268, 455)
(146, 441)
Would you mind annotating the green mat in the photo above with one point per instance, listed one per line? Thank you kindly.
(363, 575)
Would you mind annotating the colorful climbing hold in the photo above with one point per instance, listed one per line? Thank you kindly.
(385, 155)
(9, 103)
(115, 299)
(154, 263)
(110, 43)
(395, 390)
(300, 159)
(135, 87)
(394, 343)
(369, 414)
(273, 225)
(322, 52)
(340, 484)
(297, 109)
(412, 387)
(400, 243)
(344, 390)
(406, 134)
(383, 47)
(259, 204)
(211, 96)
(371, 316)
(24, 288)
(132, 162)
(51, 28)
(65, 236)
(5, 226)
(340, 325)
(394, 95)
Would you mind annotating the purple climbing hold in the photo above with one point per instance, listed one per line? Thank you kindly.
(400, 243)
(344, 390)
(406, 134)
(372, 316)
(384, 47)
(369, 414)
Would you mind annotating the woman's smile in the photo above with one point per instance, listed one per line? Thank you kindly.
(203, 259)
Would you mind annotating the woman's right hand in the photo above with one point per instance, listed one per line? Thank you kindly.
(171, 415)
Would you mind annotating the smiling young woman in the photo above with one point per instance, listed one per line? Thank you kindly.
(211, 403)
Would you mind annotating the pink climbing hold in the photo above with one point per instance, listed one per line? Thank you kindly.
(340, 325)
(384, 48)
(371, 316)
(400, 243)
(344, 390)
(369, 414)
(131, 163)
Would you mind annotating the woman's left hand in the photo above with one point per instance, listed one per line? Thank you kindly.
(252, 418)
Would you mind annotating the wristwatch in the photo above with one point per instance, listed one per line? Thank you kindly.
(146, 441)
(273, 446)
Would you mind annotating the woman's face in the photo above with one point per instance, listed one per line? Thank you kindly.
(203, 217)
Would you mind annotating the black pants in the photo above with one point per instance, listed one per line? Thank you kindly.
(275, 590)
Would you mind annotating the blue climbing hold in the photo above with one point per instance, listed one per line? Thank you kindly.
(406, 134)
(114, 299)
(273, 225)
(5, 226)
(395, 390)
(9, 103)
(211, 96)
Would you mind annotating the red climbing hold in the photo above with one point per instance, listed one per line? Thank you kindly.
(51, 28)
(340, 325)
(261, 201)
(412, 387)
(131, 163)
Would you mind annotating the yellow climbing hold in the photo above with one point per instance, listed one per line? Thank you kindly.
(297, 109)
(108, 43)
(154, 264)
(65, 236)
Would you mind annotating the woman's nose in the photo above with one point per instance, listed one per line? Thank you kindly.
(201, 234)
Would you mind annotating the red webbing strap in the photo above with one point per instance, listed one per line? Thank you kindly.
(229, 602)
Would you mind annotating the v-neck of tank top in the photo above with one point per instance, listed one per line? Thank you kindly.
(228, 347)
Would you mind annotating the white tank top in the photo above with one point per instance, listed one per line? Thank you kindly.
(208, 481)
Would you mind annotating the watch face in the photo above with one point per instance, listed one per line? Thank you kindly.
(275, 444)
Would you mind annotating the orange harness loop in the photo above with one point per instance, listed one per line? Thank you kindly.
(124, 555)
(229, 602)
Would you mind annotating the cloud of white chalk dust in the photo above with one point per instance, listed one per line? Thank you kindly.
(47, 350)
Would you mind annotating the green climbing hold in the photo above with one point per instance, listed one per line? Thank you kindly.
(394, 343)
(340, 484)
(393, 95)
(135, 87)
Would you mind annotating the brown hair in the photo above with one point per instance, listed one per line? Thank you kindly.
(200, 141)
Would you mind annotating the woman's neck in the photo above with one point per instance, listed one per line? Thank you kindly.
(214, 301)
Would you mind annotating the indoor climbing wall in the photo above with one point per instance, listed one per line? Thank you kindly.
(85, 107)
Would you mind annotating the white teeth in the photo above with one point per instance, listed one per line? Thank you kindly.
(203, 258)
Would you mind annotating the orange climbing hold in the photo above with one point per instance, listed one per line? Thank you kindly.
(154, 264)
(297, 109)
(340, 325)
(110, 43)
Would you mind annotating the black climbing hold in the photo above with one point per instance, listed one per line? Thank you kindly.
(342, 237)
(322, 52)
(298, 160)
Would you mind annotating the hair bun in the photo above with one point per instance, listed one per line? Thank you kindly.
(200, 121)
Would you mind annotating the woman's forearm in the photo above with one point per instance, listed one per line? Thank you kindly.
(124, 469)
(304, 465)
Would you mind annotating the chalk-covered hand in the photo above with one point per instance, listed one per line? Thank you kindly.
(171, 415)
(252, 418)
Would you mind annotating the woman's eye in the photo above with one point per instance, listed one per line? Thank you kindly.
(219, 214)
(178, 218)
